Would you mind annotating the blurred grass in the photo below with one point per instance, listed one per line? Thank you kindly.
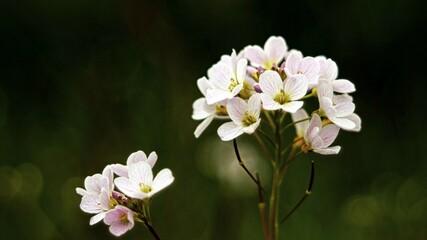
(85, 83)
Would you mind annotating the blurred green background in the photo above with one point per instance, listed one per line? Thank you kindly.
(85, 83)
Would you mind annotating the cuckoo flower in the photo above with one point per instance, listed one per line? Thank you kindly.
(139, 156)
(337, 108)
(120, 220)
(273, 53)
(203, 111)
(140, 183)
(329, 72)
(244, 116)
(318, 138)
(227, 78)
(282, 95)
(308, 66)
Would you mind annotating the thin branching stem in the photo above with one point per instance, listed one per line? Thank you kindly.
(242, 164)
(306, 194)
(261, 207)
(264, 148)
(149, 226)
(267, 137)
(293, 123)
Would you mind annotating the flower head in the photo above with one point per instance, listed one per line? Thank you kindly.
(329, 72)
(274, 51)
(244, 116)
(296, 65)
(120, 220)
(139, 156)
(318, 138)
(282, 95)
(140, 183)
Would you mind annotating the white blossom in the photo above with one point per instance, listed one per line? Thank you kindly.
(318, 138)
(329, 72)
(273, 53)
(296, 65)
(138, 156)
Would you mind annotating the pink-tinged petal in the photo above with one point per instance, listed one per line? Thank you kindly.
(106, 184)
(270, 83)
(254, 105)
(268, 102)
(293, 106)
(221, 76)
(202, 126)
(324, 89)
(104, 199)
(141, 172)
(251, 128)
(97, 218)
(296, 86)
(344, 109)
(93, 183)
(129, 188)
(275, 48)
(314, 139)
(163, 179)
(309, 67)
(136, 157)
(343, 123)
(328, 151)
(292, 62)
(236, 108)
(241, 69)
(256, 55)
(328, 134)
(108, 173)
(342, 98)
(199, 110)
(81, 191)
(329, 70)
(326, 105)
(203, 84)
(120, 228)
(302, 126)
(343, 86)
(315, 122)
(356, 120)
(89, 204)
(120, 170)
(216, 95)
(229, 131)
(152, 159)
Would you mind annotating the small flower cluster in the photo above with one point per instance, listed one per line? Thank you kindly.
(121, 208)
(274, 80)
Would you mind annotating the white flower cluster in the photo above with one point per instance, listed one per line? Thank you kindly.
(120, 208)
(241, 86)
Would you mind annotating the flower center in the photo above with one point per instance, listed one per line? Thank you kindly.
(124, 218)
(221, 110)
(233, 84)
(246, 91)
(282, 97)
(144, 188)
(248, 119)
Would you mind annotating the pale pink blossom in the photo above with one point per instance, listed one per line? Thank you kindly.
(120, 220)
(273, 53)
(318, 138)
(138, 156)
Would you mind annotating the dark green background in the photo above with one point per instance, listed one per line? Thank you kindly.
(86, 83)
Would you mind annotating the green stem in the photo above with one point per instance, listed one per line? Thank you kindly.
(293, 123)
(306, 194)
(275, 193)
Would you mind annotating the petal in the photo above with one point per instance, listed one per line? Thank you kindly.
(344, 109)
(129, 188)
(315, 121)
(256, 55)
(315, 140)
(326, 105)
(221, 76)
(97, 218)
(296, 86)
(236, 108)
(216, 95)
(119, 228)
(270, 83)
(141, 172)
(229, 131)
(120, 170)
(356, 119)
(93, 183)
(203, 84)
(292, 62)
(203, 125)
(328, 134)
(292, 107)
(163, 179)
(329, 71)
(301, 126)
(309, 67)
(328, 151)
(152, 159)
(81, 191)
(254, 105)
(343, 86)
(241, 70)
(343, 123)
(89, 204)
(275, 48)
(135, 157)
(324, 89)
(199, 109)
